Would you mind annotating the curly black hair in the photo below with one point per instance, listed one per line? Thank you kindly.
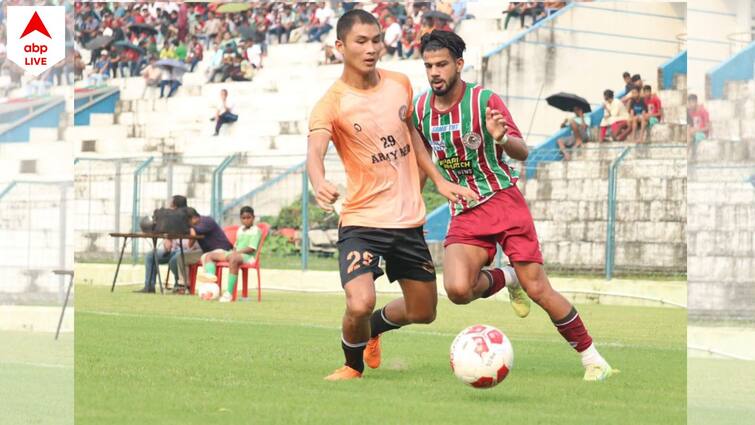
(439, 39)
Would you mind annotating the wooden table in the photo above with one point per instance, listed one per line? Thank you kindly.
(154, 237)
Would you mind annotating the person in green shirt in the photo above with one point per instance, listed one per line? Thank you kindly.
(244, 251)
(181, 51)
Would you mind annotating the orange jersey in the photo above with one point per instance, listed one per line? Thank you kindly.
(369, 131)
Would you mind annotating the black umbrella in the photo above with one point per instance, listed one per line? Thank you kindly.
(125, 45)
(99, 42)
(437, 15)
(149, 29)
(567, 102)
(172, 63)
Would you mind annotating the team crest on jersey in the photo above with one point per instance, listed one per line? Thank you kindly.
(402, 112)
(472, 140)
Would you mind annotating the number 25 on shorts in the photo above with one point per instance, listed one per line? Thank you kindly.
(358, 260)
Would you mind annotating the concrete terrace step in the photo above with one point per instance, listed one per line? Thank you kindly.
(592, 210)
(716, 151)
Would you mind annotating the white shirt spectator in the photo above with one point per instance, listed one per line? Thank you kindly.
(614, 112)
(254, 54)
(393, 35)
(324, 15)
(228, 106)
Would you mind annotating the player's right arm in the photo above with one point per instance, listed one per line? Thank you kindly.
(452, 191)
(326, 192)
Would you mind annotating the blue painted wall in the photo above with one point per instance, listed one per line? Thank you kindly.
(105, 104)
(737, 68)
(47, 119)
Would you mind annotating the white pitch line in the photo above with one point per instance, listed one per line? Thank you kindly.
(43, 365)
(613, 344)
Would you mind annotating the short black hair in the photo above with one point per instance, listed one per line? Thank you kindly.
(191, 212)
(439, 39)
(692, 97)
(636, 77)
(347, 21)
(626, 74)
(634, 88)
(178, 201)
(647, 87)
(608, 93)
(246, 209)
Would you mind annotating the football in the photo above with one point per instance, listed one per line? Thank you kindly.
(481, 356)
(208, 291)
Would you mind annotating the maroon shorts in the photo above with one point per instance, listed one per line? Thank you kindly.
(504, 219)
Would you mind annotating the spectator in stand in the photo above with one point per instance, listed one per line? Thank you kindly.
(101, 70)
(580, 127)
(321, 24)
(634, 82)
(627, 82)
(224, 112)
(534, 9)
(78, 67)
(637, 116)
(409, 39)
(655, 110)
(550, 7)
(171, 77)
(698, 120)
(398, 10)
(615, 118)
(168, 51)
(152, 75)
(392, 37)
(515, 10)
(196, 53)
(254, 54)
(181, 50)
(212, 27)
(287, 22)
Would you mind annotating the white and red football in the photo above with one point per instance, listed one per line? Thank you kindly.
(481, 356)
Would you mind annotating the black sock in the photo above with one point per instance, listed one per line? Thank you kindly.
(379, 324)
(354, 353)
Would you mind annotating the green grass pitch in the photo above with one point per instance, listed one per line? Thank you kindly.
(36, 378)
(144, 359)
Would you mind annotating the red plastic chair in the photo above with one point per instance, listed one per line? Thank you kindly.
(230, 232)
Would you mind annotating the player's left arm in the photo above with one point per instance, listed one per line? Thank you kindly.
(501, 126)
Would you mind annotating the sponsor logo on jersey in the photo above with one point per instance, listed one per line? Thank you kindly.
(459, 167)
(445, 128)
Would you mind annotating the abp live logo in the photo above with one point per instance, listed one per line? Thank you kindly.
(36, 37)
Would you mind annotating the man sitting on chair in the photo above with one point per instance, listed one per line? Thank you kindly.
(214, 239)
(245, 251)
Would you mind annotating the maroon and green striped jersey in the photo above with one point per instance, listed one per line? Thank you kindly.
(463, 150)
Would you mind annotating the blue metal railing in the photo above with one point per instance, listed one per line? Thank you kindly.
(264, 186)
(611, 225)
(737, 68)
(216, 197)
